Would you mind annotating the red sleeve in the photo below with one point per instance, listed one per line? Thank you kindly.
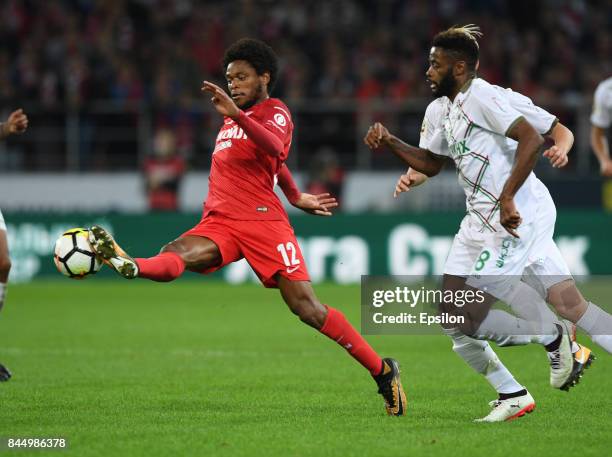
(287, 184)
(264, 138)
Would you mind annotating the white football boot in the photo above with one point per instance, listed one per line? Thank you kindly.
(111, 253)
(562, 361)
(509, 409)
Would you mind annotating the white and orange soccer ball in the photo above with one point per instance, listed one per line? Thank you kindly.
(73, 255)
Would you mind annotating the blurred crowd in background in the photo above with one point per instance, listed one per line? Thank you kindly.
(75, 51)
(102, 80)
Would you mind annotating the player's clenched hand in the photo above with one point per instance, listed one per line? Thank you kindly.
(377, 134)
(319, 205)
(17, 122)
(557, 156)
(409, 180)
(221, 100)
(509, 216)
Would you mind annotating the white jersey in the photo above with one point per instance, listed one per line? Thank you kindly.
(472, 131)
(602, 105)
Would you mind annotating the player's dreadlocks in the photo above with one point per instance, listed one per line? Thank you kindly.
(258, 54)
(461, 41)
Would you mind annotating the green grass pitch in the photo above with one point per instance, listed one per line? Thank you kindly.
(208, 369)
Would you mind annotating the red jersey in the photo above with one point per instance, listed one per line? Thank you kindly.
(242, 174)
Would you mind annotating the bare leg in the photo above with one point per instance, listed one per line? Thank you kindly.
(193, 253)
(5, 261)
(301, 299)
(197, 252)
(5, 267)
(302, 302)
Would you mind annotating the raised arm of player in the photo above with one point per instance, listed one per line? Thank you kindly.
(264, 138)
(527, 151)
(556, 154)
(421, 160)
(601, 148)
(564, 140)
(17, 123)
(319, 205)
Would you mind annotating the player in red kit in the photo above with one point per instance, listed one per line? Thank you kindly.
(243, 217)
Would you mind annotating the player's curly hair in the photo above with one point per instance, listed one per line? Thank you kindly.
(461, 41)
(258, 54)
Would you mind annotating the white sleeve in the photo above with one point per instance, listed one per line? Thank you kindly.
(427, 129)
(539, 118)
(432, 134)
(491, 109)
(602, 106)
(437, 143)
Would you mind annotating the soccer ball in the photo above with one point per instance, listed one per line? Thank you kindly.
(73, 255)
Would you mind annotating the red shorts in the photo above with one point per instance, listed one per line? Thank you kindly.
(270, 247)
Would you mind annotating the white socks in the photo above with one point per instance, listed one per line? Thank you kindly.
(480, 356)
(536, 317)
(528, 304)
(535, 323)
(598, 324)
(508, 330)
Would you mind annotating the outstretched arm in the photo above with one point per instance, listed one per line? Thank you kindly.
(262, 137)
(421, 160)
(17, 123)
(319, 205)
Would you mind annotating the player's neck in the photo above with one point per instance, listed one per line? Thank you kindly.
(257, 101)
(463, 84)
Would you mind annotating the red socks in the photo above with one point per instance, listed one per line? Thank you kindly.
(164, 267)
(169, 265)
(342, 332)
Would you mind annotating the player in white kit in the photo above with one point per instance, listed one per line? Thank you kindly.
(601, 119)
(495, 150)
(16, 123)
(478, 354)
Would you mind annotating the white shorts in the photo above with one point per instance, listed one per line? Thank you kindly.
(2, 224)
(496, 261)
